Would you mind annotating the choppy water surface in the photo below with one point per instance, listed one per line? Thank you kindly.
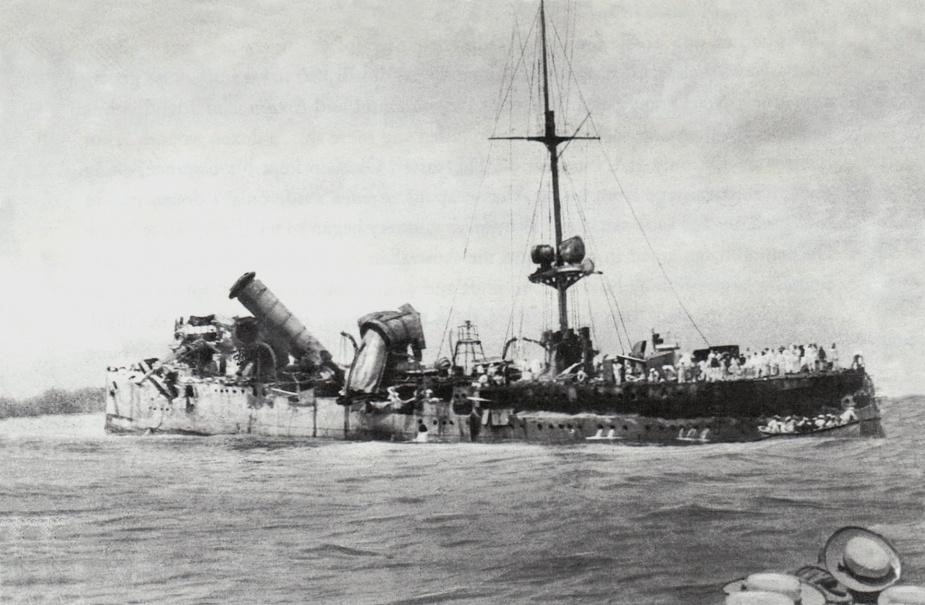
(87, 517)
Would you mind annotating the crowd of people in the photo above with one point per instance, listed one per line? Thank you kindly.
(716, 365)
(766, 363)
(803, 424)
(487, 375)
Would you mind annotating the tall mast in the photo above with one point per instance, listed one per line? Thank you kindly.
(552, 140)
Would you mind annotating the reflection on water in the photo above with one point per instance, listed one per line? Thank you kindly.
(95, 518)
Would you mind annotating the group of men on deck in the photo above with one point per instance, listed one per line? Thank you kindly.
(717, 366)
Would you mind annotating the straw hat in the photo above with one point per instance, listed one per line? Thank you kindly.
(835, 593)
(861, 560)
(758, 597)
(792, 587)
(902, 595)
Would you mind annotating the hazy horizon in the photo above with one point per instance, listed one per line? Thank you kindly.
(154, 151)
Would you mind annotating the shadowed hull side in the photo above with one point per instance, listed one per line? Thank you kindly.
(792, 394)
(214, 409)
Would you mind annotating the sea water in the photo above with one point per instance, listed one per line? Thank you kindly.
(87, 517)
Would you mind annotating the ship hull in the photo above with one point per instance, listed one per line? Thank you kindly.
(671, 414)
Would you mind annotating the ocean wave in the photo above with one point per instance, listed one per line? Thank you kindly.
(244, 519)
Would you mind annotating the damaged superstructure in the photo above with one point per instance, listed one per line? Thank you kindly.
(265, 373)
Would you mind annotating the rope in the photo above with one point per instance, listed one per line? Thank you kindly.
(536, 205)
(629, 205)
(465, 253)
(645, 237)
(590, 311)
(523, 52)
(629, 341)
(592, 239)
(612, 316)
(504, 99)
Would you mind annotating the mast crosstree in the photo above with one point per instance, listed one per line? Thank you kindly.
(557, 279)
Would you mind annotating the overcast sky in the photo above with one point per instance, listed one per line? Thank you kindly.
(151, 152)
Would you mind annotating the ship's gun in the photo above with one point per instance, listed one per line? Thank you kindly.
(281, 328)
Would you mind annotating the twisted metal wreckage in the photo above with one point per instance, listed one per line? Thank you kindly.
(266, 374)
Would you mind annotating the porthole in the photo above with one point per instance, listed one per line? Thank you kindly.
(625, 428)
(539, 427)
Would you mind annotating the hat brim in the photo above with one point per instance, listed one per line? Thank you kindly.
(809, 594)
(833, 557)
(820, 578)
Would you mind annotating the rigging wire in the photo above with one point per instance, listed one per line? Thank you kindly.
(475, 206)
(585, 225)
(563, 92)
(590, 311)
(536, 205)
(572, 36)
(560, 100)
(511, 252)
(658, 261)
(484, 174)
(613, 317)
(510, 152)
(508, 73)
(629, 205)
(574, 134)
(523, 52)
(608, 287)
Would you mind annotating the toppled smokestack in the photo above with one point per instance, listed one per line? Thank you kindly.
(277, 319)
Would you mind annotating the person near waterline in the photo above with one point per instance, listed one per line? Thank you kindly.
(475, 422)
(422, 432)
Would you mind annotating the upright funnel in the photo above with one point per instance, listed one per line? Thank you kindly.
(274, 315)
